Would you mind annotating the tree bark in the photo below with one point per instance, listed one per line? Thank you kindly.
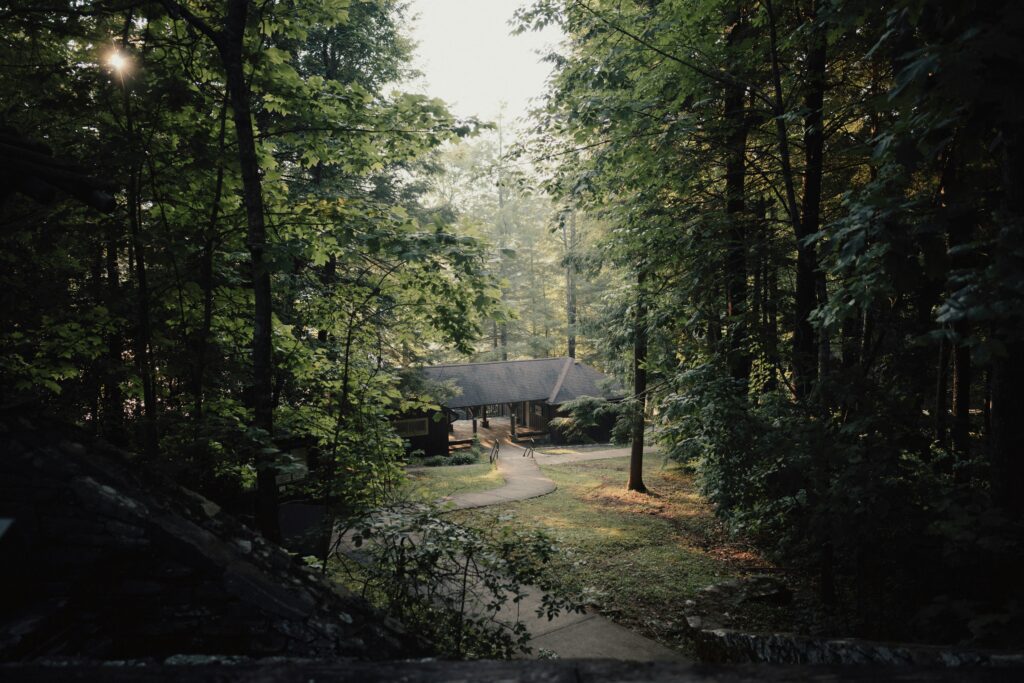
(737, 128)
(804, 353)
(1007, 411)
(570, 287)
(810, 284)
(962, 378)
(230, 47)
(636, 454)
(113, 397)
(770, 307)
(811, 289)
(941, 391)
(206, 279)
(143, 330)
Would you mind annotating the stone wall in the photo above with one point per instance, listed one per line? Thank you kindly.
(565, 671)
(728, 646)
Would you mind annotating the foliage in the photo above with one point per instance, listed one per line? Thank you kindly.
(453, 459)
(589, 413)
(640, 560)
(140, 324)
(450, 582)
(816, 207)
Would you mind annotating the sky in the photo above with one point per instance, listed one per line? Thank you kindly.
(470, 60)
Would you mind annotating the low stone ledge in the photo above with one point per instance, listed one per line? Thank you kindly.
(211, 669)
(727, 646)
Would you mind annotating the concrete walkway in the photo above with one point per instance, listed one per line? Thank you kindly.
(523, 480)
(583, 456)
(579, 636)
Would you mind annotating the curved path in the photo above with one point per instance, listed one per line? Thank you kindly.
(579, 636)
(523, 480)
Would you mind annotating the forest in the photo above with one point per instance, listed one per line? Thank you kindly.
(793, 229)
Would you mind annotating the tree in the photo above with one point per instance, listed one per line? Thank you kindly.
(285, 284)
(810, 175)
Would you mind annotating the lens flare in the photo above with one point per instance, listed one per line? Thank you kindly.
(117, 61)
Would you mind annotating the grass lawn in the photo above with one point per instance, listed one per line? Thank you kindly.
(587, 448)
(637, 558)
(432, 483)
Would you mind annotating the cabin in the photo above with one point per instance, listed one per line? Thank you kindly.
(529, 392)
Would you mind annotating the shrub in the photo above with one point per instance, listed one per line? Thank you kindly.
(449, 582)
(587, 414)
(463, 459)
(850, 493)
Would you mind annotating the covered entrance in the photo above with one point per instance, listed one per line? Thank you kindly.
(515, 399)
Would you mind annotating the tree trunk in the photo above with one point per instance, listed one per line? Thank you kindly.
(636, 455)
(962, 377)
(737, 128)
(1007, 411)
(804, 351)
(1007, 439)
(811, 289)
(570, 288)
(941, 390)
(852, 329)
(206, 279)
(810, 284)
(113, 397)
(231, 48)
(770, 307)
(143, 333)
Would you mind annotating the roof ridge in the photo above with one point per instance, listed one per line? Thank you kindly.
(569, 360)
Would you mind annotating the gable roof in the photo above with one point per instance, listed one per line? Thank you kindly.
(554, 380)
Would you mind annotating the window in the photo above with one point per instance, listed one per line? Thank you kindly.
(419, 426)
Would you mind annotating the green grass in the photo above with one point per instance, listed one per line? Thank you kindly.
(636, 558)
(437, 482)
(587, 448)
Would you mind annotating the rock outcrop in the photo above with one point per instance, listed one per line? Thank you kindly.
(102, 559)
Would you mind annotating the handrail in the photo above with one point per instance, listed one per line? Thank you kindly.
(495, 450)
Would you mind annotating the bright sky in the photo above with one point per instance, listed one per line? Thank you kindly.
(470, 60)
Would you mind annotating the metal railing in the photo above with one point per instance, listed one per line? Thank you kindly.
(495, 451)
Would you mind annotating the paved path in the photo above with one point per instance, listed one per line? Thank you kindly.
(583, 456)
(578, 636)
(523, 480)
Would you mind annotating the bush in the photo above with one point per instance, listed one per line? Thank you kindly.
(463, 459)
(589, 414)
(449, 582)
(467, 458)
(855, 491)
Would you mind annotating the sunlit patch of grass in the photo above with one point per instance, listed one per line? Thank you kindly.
(439, 482)
(638, 558)
(583, 448)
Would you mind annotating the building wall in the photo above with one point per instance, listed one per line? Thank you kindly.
(536, 416)
(426, 431)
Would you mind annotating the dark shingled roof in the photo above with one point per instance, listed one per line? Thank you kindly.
(553, 380)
